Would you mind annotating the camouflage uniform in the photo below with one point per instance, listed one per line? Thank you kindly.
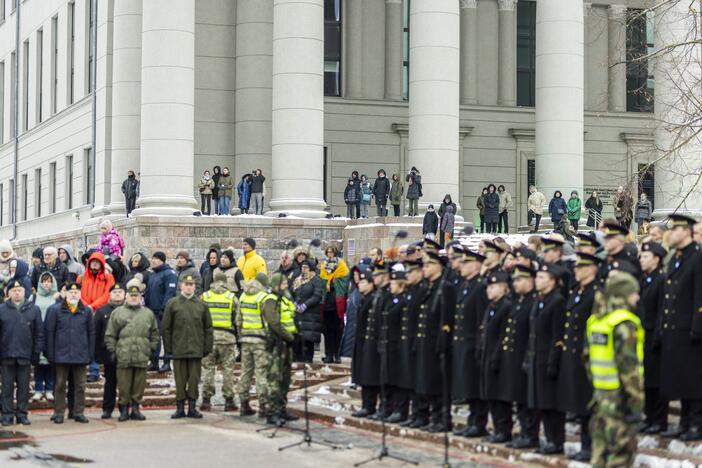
(254, 358)
(279, 345)
(616, 414)
(223, 355)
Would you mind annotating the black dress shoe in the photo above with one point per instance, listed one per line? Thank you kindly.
(418, 423)
(9, 421)
(407, 422)
(362, 413)
(57, 419)
(673, 432)
(396, 418)
(654, 429)
(695, 433)
(70, 414)
(106, 415)
(289, 417)
(549, 448)
(475, 431)
(582, 456)
(524, 443)
(23, 420)
(500, 438)
(275, 420)
(81, 419)
(436, 428)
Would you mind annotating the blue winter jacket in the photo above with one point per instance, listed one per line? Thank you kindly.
(70, 337)
(349, 335)
(557, 208)
(163, 285)
(244, 192)
(21, 331)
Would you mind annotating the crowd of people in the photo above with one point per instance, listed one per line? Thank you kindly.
(359, 194)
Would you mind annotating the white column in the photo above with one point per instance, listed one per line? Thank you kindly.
(393, 50)
(353, 25)
(434, 97)
(676, 101)
(167, 108)
(126, 98)
(587, 11)
(616, 31)
(254, 68)
(298, 108)
(507, 10)
(469, 51)
(559, 95)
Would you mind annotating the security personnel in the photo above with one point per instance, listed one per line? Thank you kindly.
(252, 335)
(681, 375)
(391, 316)
(650, 311)
(617, 251)
(279, 315)
(21, 342)
(222, 305)
(381, 280)
(545, 343)
(470, 306)
(187, 335)
(514, 339)
(587, 243)
(131, 336)
(363, 368)
(493, 257)
(574, 388)
(615, 340)
(553, 255)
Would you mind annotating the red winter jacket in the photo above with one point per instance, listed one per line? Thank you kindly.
(95, 289)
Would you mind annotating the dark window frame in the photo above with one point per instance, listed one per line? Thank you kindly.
(333, 20)
(639, 70)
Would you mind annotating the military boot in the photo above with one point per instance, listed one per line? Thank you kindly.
(136, 414)
(275, 420)
(261, 411)
(206, 405)
(192, 410)
(245, 409)
(229, 404)
(180, 410)
(123, 413)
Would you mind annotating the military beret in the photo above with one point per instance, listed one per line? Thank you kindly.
(490, 246)
(73, 286)
(470, 256)
(521, 271)
(624, 266)
(497, 277)
(434, 257)
(117, 286)
(682, 220)
(188, 279)
(134, 289)
(552, 242)
(585, 259)
(615, 229)
(15, 284)
(588, 239)
(552, 269)
(655, 248)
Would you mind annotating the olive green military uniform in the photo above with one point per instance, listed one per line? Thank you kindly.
(252, 335)
(278, 313)
(187, 335)
(617, 377)
(132, 335)
(222, 305)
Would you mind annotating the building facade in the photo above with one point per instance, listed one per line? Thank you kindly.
(471, 92)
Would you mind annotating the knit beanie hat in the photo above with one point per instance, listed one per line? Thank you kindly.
(229, 254)
(250, 241)
(160, 255)
(184, 254)
(620, 285)
(5, 246)
(38, 252)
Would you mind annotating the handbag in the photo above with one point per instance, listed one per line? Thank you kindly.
(367, 197)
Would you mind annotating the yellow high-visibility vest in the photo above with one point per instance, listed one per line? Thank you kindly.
(605, 375)
(287, 315)
(220, 306)
(250, 309)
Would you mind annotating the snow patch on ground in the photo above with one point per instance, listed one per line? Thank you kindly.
(323, 390)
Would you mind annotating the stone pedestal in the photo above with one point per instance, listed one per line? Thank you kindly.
(167, 108)
(434, 97)
(298, 108)
(559, 96)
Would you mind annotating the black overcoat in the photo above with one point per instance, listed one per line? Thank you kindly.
(650, 311)
(470, 305)
(414, 297)
(488, 344)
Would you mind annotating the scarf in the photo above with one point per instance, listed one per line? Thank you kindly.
(341, 271)
(303, 279)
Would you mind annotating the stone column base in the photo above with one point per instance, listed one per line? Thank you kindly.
(165, 205)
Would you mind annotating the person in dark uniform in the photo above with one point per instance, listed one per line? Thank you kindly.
(587, 243)
(391, 316)
(431, 343)
(493, 257)
(650, 312)
(497, 289)
(524, 256)
(617, 252)
(415, 296)
(365, 369)
(470, 305)
(381, 280)
(514, 339)
(574, 387)
(455, 255)
(545, 345)
(102, 355)
(553, 255)
(681, 335)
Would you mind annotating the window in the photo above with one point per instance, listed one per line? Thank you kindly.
(52, 187)
(54, 64)
(11, 94)
(89, 47)
(2, 102)
(647, 182)
(13, 199)
(24, 197)
(332, 47)
(526, 54)
(2, 18)
(69, 182)
(25, 86)
(40, 75)
(71, 50)
(89, 167)
(639, 68)
(37, 193)
(405, 48)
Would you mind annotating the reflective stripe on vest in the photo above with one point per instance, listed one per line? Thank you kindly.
(287, 315)
(605, 375)
(220, 306)
(250, 309)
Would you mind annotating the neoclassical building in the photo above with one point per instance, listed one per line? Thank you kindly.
(471, 92)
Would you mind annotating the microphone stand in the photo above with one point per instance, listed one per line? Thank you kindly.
(383, 348)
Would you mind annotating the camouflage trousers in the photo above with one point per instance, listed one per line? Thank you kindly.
(254, 359)
(278, 383)
(613, 439)
(223, 355)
